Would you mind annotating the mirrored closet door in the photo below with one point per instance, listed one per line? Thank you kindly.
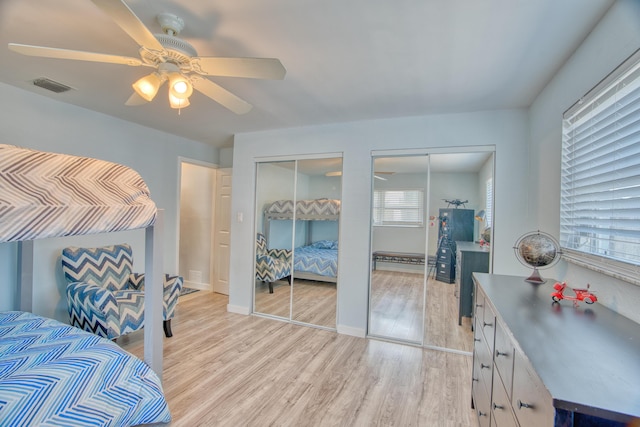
(309, 219)
(421, 290)
(398, 242)
(275, 182)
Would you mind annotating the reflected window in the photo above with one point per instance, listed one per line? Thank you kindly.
(398, 207)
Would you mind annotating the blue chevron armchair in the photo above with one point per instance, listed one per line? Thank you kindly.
(103, 295)
(271, 264)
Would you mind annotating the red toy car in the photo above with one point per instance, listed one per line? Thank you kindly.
(580, 294)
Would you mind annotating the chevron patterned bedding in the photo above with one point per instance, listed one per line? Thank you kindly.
(52, 374)
(317, 260)
(52, 195)
(311, 208)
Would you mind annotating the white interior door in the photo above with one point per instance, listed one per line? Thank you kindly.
(222, 232)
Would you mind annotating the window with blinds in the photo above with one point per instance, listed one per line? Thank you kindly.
(398, 208)
(600, 187)
(488, 215)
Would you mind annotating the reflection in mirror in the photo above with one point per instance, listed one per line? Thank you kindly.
(318, 194)
(398, 248)
(274, 239)
(429, 304)
(461, 187)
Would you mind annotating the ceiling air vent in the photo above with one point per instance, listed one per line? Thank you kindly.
(51, 85)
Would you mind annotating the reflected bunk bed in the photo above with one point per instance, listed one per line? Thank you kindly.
(52, 373)
(316, 260)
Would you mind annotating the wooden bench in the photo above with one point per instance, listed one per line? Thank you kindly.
(400, 257)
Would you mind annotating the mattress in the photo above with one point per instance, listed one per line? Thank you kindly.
(56, 375)
(52, 195)
(316, 258)
(311, 208)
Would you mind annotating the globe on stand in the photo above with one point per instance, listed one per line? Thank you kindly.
(538, 250)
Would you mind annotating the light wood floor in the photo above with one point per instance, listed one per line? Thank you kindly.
(396, 307)
(313, 302)
(227, 369)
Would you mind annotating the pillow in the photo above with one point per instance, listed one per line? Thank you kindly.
(325, 244)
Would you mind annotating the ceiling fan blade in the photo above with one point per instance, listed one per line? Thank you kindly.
(221, 96)
(52, 52)
(129, 22)
(135, 100)
(253, 68)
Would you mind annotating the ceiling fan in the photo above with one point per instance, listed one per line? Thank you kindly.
(173, 60)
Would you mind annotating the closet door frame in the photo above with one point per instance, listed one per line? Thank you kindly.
(421, 152)
(257, 211)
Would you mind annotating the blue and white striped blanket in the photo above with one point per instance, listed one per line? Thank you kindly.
(52, 374)
(311, 259)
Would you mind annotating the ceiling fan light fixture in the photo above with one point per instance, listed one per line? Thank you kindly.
(178, 103)
(147, 87)
(179, 86)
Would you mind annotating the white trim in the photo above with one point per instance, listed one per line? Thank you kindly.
(350, 330)
(238, 309)
(437, 150)
(198, 285)
(293, 157)
(609, 267)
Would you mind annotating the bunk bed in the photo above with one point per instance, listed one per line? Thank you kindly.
(52, 373)
(317, 259)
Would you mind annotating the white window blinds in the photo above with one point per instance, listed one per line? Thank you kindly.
(398, 207)
(600, 187)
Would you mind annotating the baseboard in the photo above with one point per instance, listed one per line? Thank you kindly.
(349, 330)
(238, 309)
(198, 285)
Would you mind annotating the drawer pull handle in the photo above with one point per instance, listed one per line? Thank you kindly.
(476, 339)
(496, 406)
(487, 324)
(479, 305)
(499, 353)
(483, 366)
(524, 405)
(474, 379)
(482, 414)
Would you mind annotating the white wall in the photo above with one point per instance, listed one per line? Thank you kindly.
(197, 192)
(615, 38)
(506, 130)
(39, 122)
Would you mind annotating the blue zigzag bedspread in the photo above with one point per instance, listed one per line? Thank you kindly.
(52, 374)
(319, 258)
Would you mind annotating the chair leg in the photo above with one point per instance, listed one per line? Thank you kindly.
(270, 287)
(167, 328)
(289, 279)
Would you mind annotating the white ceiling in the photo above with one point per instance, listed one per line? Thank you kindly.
(346, 60)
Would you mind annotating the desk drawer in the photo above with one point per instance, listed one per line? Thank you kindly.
(503, 357)
(489, 326)
(532, 404)
(481, 403)
(445, 272)
(501, 412)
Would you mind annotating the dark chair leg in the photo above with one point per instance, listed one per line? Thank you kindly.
(289, 279)
(167, 328)
(270, 287)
